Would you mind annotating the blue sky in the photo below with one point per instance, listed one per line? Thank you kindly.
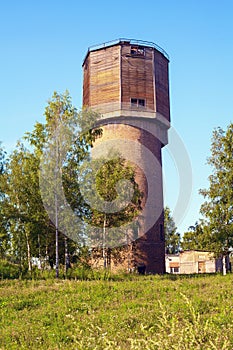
(43, 44)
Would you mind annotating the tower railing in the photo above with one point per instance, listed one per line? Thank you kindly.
(131, 42)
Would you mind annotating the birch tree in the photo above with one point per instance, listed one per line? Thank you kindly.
(218, 205)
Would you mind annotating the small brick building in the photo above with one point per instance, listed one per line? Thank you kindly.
(193, 261)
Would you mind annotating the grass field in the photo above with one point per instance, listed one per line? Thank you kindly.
(138, 312)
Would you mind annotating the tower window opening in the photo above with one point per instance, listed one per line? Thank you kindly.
(137, 102)
(134, 101)
(137, 51)
(141, 102)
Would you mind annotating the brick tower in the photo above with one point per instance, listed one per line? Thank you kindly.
(127, 82)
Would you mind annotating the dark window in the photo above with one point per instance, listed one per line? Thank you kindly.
(141, 102)
(133, 50)
(137, 51)
(174, 270)
(137, 102)
(134, 101)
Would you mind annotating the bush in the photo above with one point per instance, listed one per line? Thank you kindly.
(9, 270)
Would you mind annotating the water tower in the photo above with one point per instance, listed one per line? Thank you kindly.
(127, 82)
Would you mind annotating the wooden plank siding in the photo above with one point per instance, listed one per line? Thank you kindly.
(104, 82)
(86, 83)
(137, 77)
(112, 76)
(161, 85)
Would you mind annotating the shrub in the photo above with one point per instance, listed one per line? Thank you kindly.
(9, 270)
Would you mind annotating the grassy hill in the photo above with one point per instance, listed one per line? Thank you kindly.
(138, 312)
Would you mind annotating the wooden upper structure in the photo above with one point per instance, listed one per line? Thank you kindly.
(127, 78)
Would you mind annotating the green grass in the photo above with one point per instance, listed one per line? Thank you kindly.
(141, 312)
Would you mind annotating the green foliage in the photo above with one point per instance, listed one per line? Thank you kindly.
(9, 270)
(172, 237)
(218, 207)
(146, 312)
(4, 234)
(196, 238)
(26, 230)
(23, 206)
(115, 203)
(109, 185)
(31, 206)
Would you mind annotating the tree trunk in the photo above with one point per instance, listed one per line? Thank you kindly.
(56, 202)
(39, 252)
(104, 243)
(57, 254)
(56, 237)
(66, 262)
(28, 251)
(224, 269)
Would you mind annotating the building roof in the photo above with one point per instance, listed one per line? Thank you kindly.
(126, 41)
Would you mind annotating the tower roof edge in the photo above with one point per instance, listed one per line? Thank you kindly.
(126, 41)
